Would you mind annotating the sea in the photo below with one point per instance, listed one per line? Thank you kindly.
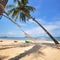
(25, 38)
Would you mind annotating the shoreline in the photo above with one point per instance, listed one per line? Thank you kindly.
(25, 38)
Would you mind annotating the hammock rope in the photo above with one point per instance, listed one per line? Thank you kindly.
(25, 33)
(2, 7)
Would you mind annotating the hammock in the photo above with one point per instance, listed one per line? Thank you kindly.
(2, 6)
(18, 25)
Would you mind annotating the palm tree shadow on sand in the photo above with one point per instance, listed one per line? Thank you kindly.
(34, 49)
(3, 57)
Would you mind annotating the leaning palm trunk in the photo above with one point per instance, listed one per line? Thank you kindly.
(26, 34)
(55, 41)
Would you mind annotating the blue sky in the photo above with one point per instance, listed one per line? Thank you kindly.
(47, 13)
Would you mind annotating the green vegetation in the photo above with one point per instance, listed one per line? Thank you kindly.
(27, 41)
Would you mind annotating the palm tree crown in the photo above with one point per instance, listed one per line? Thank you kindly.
(17, 11)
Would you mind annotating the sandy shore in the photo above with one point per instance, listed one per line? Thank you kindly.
(19, 50)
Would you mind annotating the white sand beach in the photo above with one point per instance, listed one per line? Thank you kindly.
(19, 50)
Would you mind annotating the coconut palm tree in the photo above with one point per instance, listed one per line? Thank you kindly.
(22, 10)
(2, 6)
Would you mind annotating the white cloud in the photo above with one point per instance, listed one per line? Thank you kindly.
(39, 20)
(36, 32)
(55, 23)
(50, 26)
(7, 34)
(12, 34)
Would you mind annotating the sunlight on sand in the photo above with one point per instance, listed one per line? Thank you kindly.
(39, 50)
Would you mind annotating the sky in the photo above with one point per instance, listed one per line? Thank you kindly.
(47, 13)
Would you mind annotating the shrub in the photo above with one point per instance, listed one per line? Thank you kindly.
(27, 41)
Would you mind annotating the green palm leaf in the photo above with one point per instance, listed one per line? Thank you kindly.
(17, 11)
(30, 8)
(10, 6)
(24, 2)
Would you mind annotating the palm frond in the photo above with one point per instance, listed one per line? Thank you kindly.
(22, 17)
(15, 0)
(30, 8)
(24, 2)
(10, 11)
(9, 6)
(18, 2)
(17, 11)
(16, 17)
